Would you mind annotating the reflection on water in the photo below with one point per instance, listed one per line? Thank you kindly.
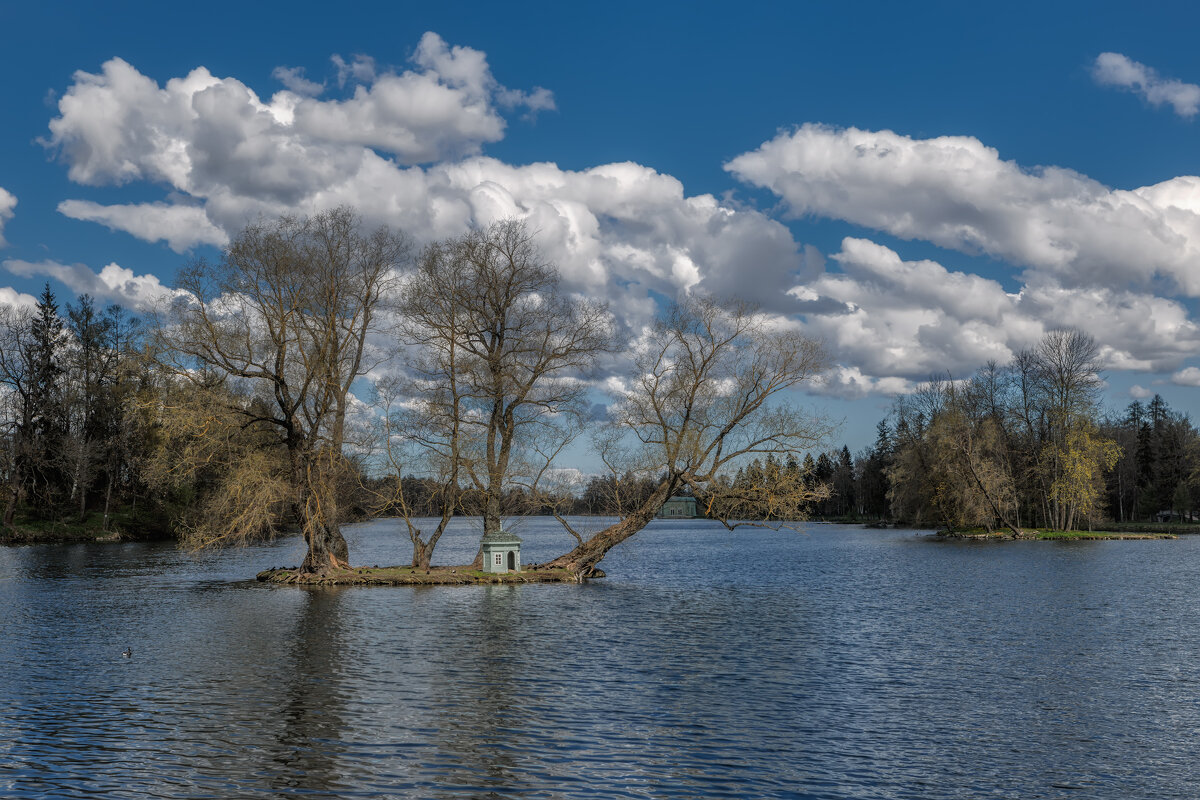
(835, 663)
(311, 716)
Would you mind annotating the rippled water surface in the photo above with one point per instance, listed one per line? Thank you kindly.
(838, 662)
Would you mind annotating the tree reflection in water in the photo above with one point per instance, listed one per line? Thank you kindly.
(480, 730)
(309, 742)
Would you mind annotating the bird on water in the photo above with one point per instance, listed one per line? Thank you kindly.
(128, 652)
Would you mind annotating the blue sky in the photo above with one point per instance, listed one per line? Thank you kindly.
(924, 185)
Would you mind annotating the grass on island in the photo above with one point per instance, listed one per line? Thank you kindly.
(409, 576)
(1048, 534)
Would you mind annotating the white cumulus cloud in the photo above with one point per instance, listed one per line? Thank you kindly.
(113, 283)
(293, 78)
(8, 201)
(14, 299)
(182, 227)
(200, 132)
(891, 322)
(1188, 376)
(225, 156)
(405, 149)
(1114, 69)
(1139, 392)
(957, 193)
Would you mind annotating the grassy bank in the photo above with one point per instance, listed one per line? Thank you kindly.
(123, 525)
(408, 576)
(1045, 534)
(1177, 528)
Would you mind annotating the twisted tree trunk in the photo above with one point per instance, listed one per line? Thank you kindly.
(327, 550)
(583, 559)
(318, 514)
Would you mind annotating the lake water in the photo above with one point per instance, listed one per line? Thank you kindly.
(836, 662)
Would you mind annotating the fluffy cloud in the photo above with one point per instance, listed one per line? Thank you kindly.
(851, 383)
(8, 202)
(11, 297)
(623, 226)
(892, 322)
(113, 283)
(200, 133)
(226, 156)
(957, 193)
(1114, 69)
(182, 227)
(403, 148)
(359, 68)
(1188, 376)
(293, 78)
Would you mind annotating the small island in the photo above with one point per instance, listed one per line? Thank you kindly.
(464, 575)
(1048, 535)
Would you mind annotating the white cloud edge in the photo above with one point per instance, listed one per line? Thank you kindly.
(1115, 69)
(8, 202)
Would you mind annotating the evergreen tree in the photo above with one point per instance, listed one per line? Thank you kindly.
(843, 483)
(46, 415)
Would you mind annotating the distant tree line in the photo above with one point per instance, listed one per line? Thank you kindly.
(1023, 445)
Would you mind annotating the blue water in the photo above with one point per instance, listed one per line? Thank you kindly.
(832, 663)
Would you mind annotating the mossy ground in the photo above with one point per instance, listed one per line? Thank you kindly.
(408, 576)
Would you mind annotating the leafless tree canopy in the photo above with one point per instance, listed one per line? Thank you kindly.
(500, 353)
(285, 316)
(706, 393)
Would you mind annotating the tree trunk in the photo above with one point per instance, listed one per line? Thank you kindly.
(991, 502)
(14, 496)
(584, 558)
(318, 514)
(82, 500)
(422, 553)
(107, 500)
(327, 550)
(491, 509)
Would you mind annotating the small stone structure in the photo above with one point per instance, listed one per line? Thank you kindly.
(501, 552)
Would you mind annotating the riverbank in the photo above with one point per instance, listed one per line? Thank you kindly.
(123, 526)
(1052, 535)
(408, 576)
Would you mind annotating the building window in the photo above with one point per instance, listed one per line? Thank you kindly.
(499, 559)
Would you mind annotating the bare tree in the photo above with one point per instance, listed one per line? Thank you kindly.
(1068, 368)
(705, 395)
(424, 436)
(285, 316)
(499, 353)
(16, 376)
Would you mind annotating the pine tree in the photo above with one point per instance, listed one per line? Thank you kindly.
(46, 415)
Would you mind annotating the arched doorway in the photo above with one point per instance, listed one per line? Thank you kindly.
(512, 561)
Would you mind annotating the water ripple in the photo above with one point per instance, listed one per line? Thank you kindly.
(840, 663)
